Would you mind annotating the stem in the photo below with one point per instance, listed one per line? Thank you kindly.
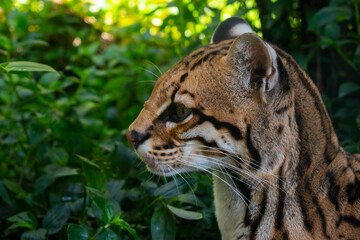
(151, 204)
(22, 122)
(357, 17)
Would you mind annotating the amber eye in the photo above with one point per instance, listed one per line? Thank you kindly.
(180, 112)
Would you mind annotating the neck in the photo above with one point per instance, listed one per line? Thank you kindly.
(312, 147)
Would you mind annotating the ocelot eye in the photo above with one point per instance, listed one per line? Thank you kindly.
(180, 112)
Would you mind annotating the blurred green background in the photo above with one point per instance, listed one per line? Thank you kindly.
(66, 169)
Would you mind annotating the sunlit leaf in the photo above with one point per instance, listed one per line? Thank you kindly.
(31, 43)
(26, 66)
(23, 219)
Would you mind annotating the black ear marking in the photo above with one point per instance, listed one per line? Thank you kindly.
(230, 28)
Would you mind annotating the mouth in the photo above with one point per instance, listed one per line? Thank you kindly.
(154, 167)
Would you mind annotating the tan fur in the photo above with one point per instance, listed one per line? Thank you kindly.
(267, 126)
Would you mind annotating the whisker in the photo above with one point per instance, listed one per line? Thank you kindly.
(224, 181)
(156, 67)
(179, 173)
(147, 70)
(260, 180)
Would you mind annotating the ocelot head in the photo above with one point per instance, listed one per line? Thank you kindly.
(217, 108)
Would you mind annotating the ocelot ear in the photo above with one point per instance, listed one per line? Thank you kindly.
(230, 28)
(255, 63)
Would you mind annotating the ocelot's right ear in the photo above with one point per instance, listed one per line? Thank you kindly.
(254, 61)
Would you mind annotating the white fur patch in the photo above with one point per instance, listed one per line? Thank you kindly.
(229, 209)
(273, 79)
(240, 29)
(163, 107)
(184, 99)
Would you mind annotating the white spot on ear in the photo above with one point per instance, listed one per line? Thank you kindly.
(163, 107)
(239, 29)
(272, 75)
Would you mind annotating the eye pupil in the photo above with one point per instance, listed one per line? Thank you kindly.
(181, 112)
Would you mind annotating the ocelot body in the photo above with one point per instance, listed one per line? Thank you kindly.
(243, 110)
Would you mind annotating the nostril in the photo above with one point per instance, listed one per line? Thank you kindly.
(135, 137)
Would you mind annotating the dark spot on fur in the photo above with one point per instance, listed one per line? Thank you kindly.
(183, 77)
(280, 129)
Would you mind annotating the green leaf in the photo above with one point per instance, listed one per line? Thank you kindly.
(348, 88)
(107, 234)
(125, 225)
(4, 193)
(15, 188)
(20, 225)
(90, 169)
(122, 160)
(24, 92)
(327, 15)
(190, 215)
(5, 42)
(58, 155)
(108, 206)
(358, 121)
(190, 198)
(38, 234)
(114, 186)
(55, 219)
(22, 66)
(13, 137)
(79, 232)
(171, 189)
(84, 159)
(163, 225)
(60, 171)
(49, 78)
(43, 183)
(37, 132)
(31, 42)
(23, 219)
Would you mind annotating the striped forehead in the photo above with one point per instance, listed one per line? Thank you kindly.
(170, 87)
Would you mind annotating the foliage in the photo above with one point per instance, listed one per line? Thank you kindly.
(65, 167)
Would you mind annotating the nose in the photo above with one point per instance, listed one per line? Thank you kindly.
(136, 138)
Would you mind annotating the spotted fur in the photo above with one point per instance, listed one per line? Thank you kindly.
(243, 110)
